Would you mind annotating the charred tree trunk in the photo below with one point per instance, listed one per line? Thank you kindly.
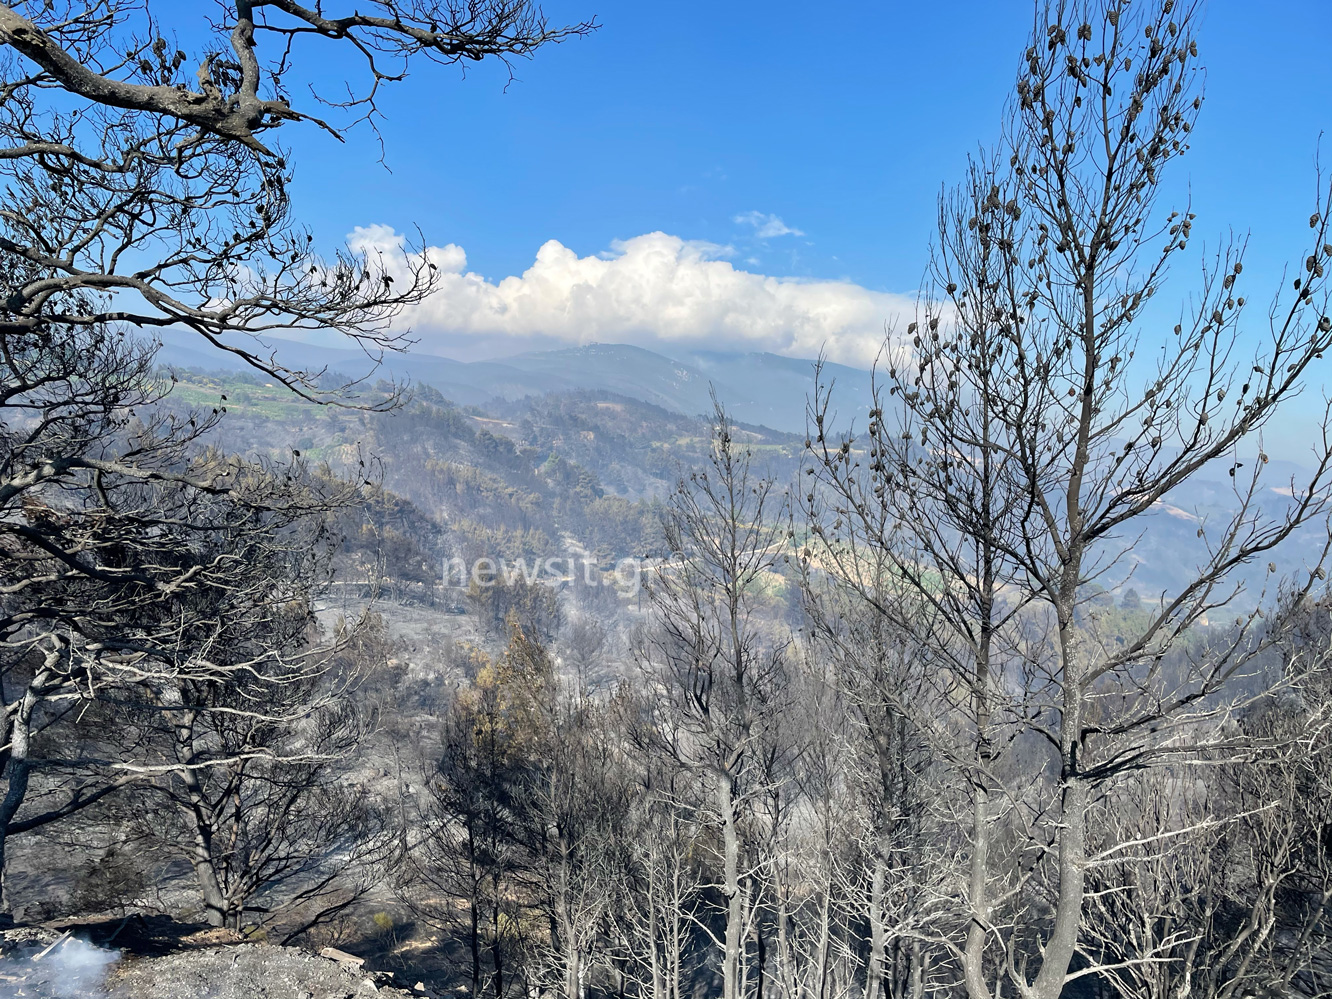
(734, 940)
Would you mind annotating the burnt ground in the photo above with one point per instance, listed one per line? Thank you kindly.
(155, 957)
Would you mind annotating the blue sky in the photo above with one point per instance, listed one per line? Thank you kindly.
(841, 120)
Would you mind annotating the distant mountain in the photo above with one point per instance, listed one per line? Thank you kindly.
(774, 391)
(762, 389)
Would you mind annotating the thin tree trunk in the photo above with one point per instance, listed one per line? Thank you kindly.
(496, 957)
(573, 969)
(761, 954)
(825, 934)
(18, 763)
(653, 922)
(878, 932)
(202, 818)
(919, 962)
(973, 961)
(18, 768)
(784, 970)
(1062, 944)
(201, 854)
(1059, 949)
(731, 987)
(474, 941)
(676, 915)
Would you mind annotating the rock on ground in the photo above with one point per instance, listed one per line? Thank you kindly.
(245, 971)
(41, 963)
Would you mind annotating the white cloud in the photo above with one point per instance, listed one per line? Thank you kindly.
(653, 290)
(766, 226)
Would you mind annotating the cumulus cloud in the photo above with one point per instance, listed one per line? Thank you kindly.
(766, 226)
(654, 290)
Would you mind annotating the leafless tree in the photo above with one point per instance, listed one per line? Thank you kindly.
(900, 770)
(126, 552)
(465, 850)
(252, 779)
(585, 647)
(575, 801)
(137, 197)
(1028, 423)
(719, 675)
(1213, 891)
(1237, 901)
(661, 877)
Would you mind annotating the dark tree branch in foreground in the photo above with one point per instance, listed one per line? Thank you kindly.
(140, 191)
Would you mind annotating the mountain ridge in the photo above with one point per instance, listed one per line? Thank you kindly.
(765, 389)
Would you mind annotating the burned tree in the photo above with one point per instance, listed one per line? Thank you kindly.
(139, 570)
(718, 674)
(1023, 432)
(145, 189)
(146, 184)
(249, 765)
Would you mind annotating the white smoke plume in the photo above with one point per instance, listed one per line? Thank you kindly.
(72, 969)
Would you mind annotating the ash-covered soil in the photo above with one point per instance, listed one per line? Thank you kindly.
(244, 971)
(44, 963)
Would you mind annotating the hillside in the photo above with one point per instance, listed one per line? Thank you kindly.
(582, 469)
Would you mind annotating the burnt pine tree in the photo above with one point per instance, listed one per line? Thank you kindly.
(146, 184)
(1044, 400)
(145, 188)
(718, 673)
(117, 530)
